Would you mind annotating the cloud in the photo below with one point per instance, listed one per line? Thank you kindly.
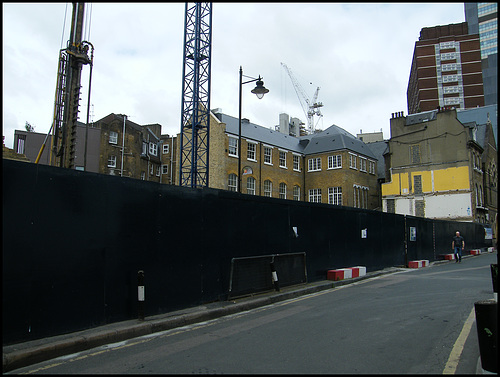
(358, 54)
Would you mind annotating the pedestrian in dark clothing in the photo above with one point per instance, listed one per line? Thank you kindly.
(458, 244)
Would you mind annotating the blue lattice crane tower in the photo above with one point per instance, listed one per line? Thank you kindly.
(195, 117)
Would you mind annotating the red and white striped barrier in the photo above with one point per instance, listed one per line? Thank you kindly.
(475, 252)
(448, 256)
(418, 263)
(346, 273)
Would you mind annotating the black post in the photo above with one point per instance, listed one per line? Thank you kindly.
(486, 323)
(275, 276)
(140, 295)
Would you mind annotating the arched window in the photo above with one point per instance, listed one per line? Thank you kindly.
(232, 182)
(282, 190)
(251, 185)
(268, 188)
(296, 192)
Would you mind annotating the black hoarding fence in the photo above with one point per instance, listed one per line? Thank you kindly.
(259, 273)
(73, 243)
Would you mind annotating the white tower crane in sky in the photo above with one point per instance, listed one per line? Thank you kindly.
(310, 107)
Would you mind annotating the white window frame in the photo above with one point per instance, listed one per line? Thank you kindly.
(251, 151)
(352, 161)
(296, 162)
(113, 137)
(111, 161)
(251, 185)
(143, 175)
(21, 142)
(144, 148)
(232, 146)
(315, 196)
(314, 164)
(335, 161)
(153, 149)
(362, 164)
(282, 159)
(166, 148)
(268, 188)
(232, 182)
(296, 192)
(282, 190)
(371, 166)
(335, 195)
(151, 170)
(268, 157)
(164, 169)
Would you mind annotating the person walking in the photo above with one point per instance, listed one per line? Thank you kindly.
(458, 244)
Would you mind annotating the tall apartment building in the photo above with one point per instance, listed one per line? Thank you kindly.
(443, 165)
(482, 19)
(446, 70)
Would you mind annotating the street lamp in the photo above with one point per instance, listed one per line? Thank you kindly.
(259, 91)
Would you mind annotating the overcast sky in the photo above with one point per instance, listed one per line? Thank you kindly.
(358, 54)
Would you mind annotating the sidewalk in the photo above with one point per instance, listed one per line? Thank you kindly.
(32, 352)
(29, 353)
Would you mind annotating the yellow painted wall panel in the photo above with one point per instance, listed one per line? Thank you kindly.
(405, 184)
(426, 181)
(451, 179)
(391, 188)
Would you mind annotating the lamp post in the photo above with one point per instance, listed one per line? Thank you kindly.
(259, 91)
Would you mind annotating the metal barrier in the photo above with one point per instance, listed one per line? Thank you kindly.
(251, 275)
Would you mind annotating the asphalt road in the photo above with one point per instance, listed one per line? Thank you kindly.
(407, 322)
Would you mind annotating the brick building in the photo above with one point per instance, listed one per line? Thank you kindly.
(441, 167)
(330, 166)
(137, 155)
(446, 69)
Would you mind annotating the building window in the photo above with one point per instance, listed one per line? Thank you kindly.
(143, 175)
(112, 162)
(268, 157)
(166, 148)
(113, 137)
(282, 159)
(335, 195)
(314, 164)
(391, 207)
(371, 165)
(335, 162)
(282, 190)
(251, 151)
(232, 182)
(362, 164)
(315, 196)
(352, 161)
(153, 149)
(268, 188)
(417, 184)
(158, 169)
(360, 196)
(151, 170)
(419, 208)
(296, 193)
(21, 140)
(164, 169)
(233, 147)
(415, 154)
(251, 185)
(296, 162)
(144, 148)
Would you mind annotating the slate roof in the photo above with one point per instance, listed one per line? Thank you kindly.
(332, 139)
